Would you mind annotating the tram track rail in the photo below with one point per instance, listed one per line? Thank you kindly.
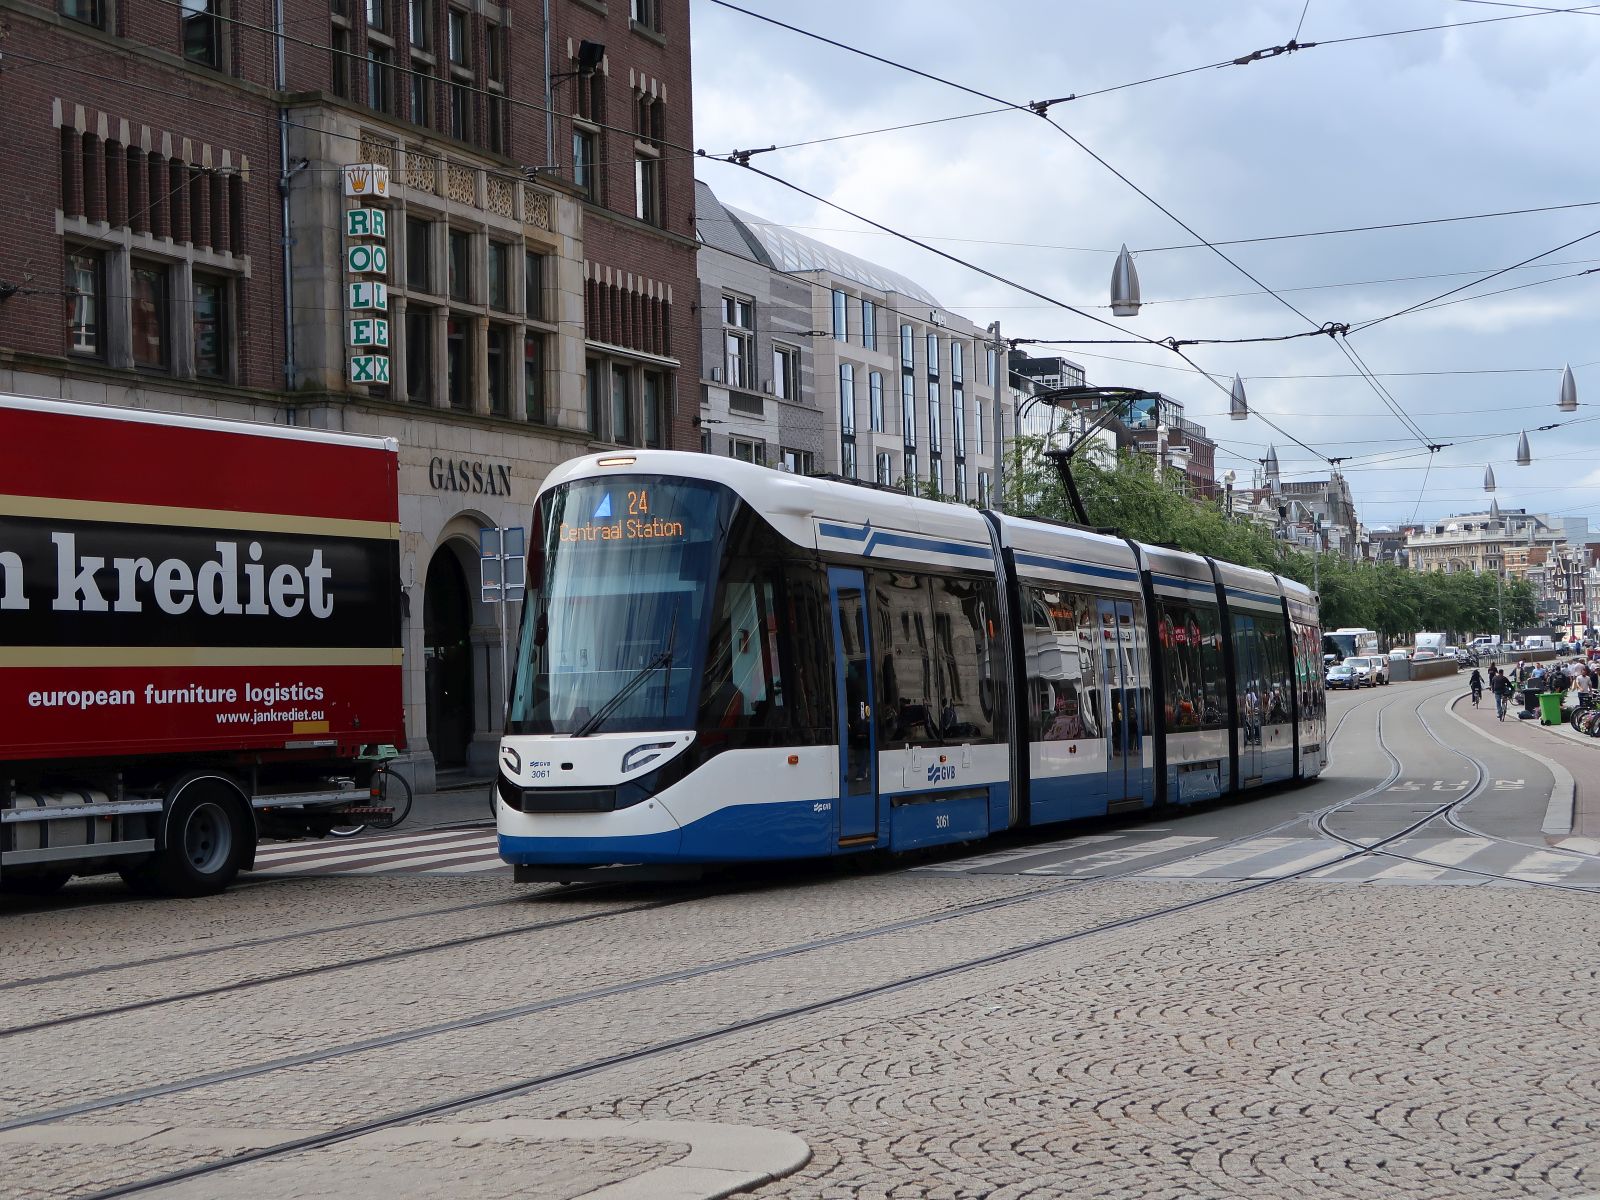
(299, 973)
(533, 1083)
(548, 1004)
(1450, 814)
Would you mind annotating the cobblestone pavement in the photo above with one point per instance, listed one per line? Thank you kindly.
(1285, 1039)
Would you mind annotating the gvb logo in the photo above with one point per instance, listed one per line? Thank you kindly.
(602, 511)
(938, 773)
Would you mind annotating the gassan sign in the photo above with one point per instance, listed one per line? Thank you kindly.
(366, 262)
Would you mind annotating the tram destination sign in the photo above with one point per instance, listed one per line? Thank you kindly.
(623, 516)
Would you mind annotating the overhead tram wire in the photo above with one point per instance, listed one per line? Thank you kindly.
(1363, 326)
(1041, 109)
(998, 278)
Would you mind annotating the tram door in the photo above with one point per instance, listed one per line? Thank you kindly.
(855, 702)
(1247, 657)
(1121, 704)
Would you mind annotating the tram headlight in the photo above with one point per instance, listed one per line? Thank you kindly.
(644, 755)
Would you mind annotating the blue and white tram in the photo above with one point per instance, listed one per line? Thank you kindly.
(723, 663)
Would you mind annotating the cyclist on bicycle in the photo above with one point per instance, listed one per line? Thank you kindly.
(1502, 693)
(1476, 684)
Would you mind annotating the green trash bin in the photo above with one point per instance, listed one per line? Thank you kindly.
(1549, 708)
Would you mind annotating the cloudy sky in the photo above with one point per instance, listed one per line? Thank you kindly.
(1360, 130)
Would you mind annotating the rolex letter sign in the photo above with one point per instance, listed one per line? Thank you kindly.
(366, 262)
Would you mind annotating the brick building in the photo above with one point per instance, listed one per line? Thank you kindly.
(177, 238)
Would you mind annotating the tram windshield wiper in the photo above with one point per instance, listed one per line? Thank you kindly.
(664, 659)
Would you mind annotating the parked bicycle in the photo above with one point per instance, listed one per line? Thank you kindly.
(388, 790)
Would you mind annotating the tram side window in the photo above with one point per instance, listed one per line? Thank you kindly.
(808, 639)
(1213, 673)
(902, 624)
(1180, 649)
(1060, 655)
(964, 661)
(1308, 672)
(1247, 672)
(743, 686)
(1276, 681)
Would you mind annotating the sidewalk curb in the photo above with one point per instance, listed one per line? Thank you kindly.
(1558, 813)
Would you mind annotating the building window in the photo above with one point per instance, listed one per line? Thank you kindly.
(989, 366)
(936, 474)
(961, 483)
(211, 326)
(533, 376)
(87, 11)
(655, 410)
(847, 460)
(875, 400)
(378, 15)
(494, 70)
(907, 360)
(621, 406)
(499, 345)
(747, 450)
(152, 347)
(421, 92)
(908, 478)
(841, 332)
(647, 13)
(935, 429)
(458, 362)
(957, 362)
(738, 339)
(456, 27)
(869, 324)
(340, 48)
(908, 411)
(977, 426)
(86, 289)
(983, 489)
(786, 372)
(933, 354)
(500, 276)
(884, 470)
(419, 263)
(595, 382)
(958, 421)
(847, 399)
(460, 111)
(421, 24)
(419, 354)
(584, 174)
(460, 266)
(202, 26)
(799, 462)
(533, 268)
(647, 187)
(380, 61)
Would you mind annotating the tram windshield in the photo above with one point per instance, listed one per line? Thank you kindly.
(613, 630)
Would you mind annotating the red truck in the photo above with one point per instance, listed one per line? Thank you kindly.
(199, 640)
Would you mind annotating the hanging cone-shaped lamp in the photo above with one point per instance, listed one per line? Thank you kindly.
(1240, 407)
(1124, 286)
(1488, 479)
(1270, 466)
(1524, 454)
(1569, 391)
(1494, 510)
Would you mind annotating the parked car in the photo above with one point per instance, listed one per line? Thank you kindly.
(1423, 654)
(1342, 676)
(1400, 653)
(1370, 670)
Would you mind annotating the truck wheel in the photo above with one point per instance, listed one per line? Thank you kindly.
(205, 845)
(47, 883)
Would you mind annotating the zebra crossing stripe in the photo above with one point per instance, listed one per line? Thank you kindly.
(994, 859)
(1100, 861)
(429, 862)
(306, 851)
(375, 850)
(1221, 859)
